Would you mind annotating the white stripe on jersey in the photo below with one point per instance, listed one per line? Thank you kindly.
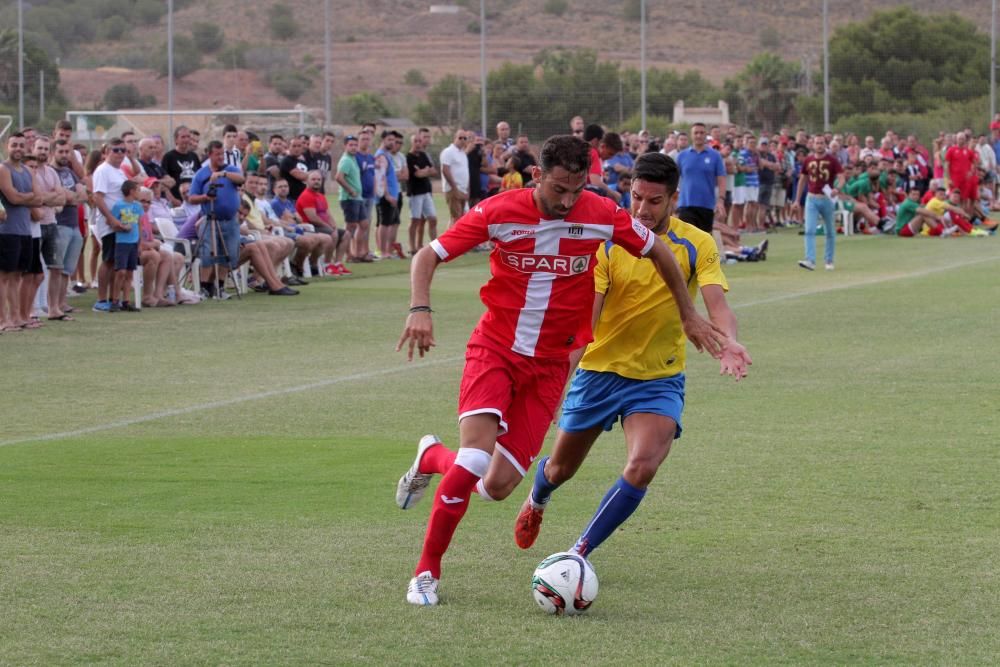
(539, 289)
(505, 232)
(439, 249)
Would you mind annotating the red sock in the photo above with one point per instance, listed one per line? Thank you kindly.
(437, 459)
(456, 486)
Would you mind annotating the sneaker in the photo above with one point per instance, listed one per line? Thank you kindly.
(127, 307)
(413, 483)
(762, 250)
(397, 251)
(102, 307)
(422, 590)
(115, 307)
(284, 291)
(314, 269)
(79, 288)
(331, 270)
(344, 271)
(829, 266)
(527, 524)
(806, 264)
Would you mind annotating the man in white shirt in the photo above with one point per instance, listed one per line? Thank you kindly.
(108, 180)
(455, 174)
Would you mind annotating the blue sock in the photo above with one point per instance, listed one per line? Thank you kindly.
(618, 504)
(542, 489)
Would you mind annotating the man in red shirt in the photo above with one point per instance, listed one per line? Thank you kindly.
(539, 302)
(962, 163)
(314, 209)
(820, 172)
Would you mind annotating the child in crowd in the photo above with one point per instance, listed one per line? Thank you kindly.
(127, 211)
(625, 190)
(512, 179)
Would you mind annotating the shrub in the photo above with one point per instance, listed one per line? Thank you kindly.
(114, 28)
(414, 77)
(555, 7)
(126, 96)
(281, 22)
(207, 37)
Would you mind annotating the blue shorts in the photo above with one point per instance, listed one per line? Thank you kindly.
(354, 210)
(601, 399)
(126, 256)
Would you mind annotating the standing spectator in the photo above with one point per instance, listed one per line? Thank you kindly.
(351, 202)
(127, 211)
(576, 126)
(962, 162)
(107, 188)
(147, 159)
(749, 161)
(455, 175)
(231, 154)
(272, 160)
(131, 165)
(987, 159)
(769, 169)
(504, 138)
(703, 183)
(477, 162)
(53, 198)
(223, 202)
(387, 213)
(422, 169)
(182, 162)
(366, 163)
(820, 172)
(293, 168)
(593, 134)
(17, 197)
(70, 241)
(317, 159)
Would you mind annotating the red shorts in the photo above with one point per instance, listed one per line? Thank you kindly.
(968, 187)
(906, 230)
(523, 392)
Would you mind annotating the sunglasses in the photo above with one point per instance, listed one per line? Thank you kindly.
(118, 150)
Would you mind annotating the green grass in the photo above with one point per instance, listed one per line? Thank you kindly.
(839, 506)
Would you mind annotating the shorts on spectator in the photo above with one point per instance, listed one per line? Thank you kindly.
(422, 206)
(227, 242)
(778, 196)
(387, 213)
(750, 193)
(456, 203)
(764, 195)
(15, 253)
(354, 210)
(702, 218)
(52, 254)
(108, 248)
(739, 195)
(35, 258)
(71, 242)
(126, 256)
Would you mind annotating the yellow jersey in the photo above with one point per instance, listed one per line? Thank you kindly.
(936, 206)
(639, 333)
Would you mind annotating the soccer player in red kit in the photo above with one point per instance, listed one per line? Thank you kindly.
(539, 302)
(962, 163)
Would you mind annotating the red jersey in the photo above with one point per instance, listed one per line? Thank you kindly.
(820, 171)
(595, 163)
(311, 199)
(961, 162)
(539, 300)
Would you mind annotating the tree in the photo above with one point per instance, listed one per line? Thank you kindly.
(187, 58)
(444, 101)
(366, 107)
(555, 7)
(767, 88)
(207, 37)
(35, 60)
(281, 22)
(126, 96)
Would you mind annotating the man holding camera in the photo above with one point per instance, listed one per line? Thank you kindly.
(215, 187)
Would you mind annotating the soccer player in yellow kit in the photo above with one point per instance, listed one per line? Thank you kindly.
(634, 368)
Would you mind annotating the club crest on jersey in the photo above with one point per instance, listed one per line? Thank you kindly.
(575, 230)
(561, 265)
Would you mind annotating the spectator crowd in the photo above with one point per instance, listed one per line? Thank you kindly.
(176, 226)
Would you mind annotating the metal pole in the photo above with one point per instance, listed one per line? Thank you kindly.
(459, 119)
(482, 62)
(326, 62)
(826, 67)
(170, 68)
(41, 96)
(621, 102)
(993, 61)
(20, 63)
(642, 66)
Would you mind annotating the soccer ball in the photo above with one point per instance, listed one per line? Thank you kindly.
(564, 583)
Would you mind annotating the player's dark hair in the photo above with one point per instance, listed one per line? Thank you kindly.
(613, 140)
(566, 151)
(657, 168)
(212, 145)
(593, 131)
(275, 136)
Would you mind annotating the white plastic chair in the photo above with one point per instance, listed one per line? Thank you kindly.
(168, 231)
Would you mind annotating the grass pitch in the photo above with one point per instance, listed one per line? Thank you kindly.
(214, 485)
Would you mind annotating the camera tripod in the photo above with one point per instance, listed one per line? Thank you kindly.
(211, 227)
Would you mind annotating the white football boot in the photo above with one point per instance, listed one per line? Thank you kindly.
(422, 590)
(413, 483)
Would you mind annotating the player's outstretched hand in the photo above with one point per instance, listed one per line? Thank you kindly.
(419, 330)
(734, 360)
(704, 335)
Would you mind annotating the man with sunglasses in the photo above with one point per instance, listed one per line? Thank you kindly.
(108, 180)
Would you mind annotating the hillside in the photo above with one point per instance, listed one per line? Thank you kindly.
(376, 41)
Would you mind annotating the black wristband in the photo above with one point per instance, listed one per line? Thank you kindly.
(421, 309)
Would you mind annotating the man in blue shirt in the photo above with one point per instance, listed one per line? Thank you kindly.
(215, 188)
(387, 220)
(366, 164)
(703, 182)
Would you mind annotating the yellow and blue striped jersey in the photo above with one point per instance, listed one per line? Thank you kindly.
(639, 333)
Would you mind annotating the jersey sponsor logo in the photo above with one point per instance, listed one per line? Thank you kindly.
(450, 501)
(522, 232)
(561, 265)
(640, 229)
(478, 209)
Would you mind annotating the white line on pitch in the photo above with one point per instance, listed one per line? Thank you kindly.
(436, 362)
(176, 412)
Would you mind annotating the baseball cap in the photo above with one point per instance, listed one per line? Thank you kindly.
(763, 140)
(150, 182)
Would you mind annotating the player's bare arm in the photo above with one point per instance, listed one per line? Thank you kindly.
(734, 359)
(704, 335)
(419, 329)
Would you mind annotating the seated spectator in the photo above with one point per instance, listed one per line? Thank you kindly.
(512, 176)
(309, 246)
(161, 267)
(280, 248)
(732, 248)
(260, 259)
(313, 208)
